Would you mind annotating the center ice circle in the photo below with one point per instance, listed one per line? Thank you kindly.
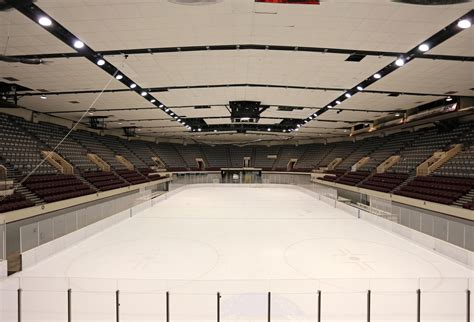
(160, 258)
(343, 258)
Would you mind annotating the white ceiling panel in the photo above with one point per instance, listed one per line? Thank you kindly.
(425, 76)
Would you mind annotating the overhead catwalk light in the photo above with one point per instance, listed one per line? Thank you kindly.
(133, 85)
(161, 106)
(423, 47)
(215, 131)
(299, 125)
(269, 129)
(153, 101)
(43, 97)
(143, 93)
(464, 23)
(329, 106)
(360, 88)
(347, 95)
(338, 102)
(199, 130)
(166, 109)
(400, 62)
(78, 44)
(119, 76)
(45, 21)
(377, 76)
(101, 62)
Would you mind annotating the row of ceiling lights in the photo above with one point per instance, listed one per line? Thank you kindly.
(47, 22)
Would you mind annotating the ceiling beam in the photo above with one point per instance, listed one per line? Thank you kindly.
(179, 49)
(203, 86)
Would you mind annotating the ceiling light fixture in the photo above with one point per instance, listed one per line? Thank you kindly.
(43, 97)
(78, 44)
(199, 130)
(133, 85)
(338, 102)
(423, 47)
(464, 23)
(119, 77)
(153, 100)
(347, 95)
(101, 62)
(45, 21)
(329, 106)
(377, 76)
(143, 93)
(449, 99)
(269, 129)
(400, 62)
(360, 88)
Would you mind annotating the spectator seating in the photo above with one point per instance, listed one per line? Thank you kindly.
(445, 190)
(353, 178)
(132, 176)
(287, 153)
(170, 156)
(58, 187)
(261, 157)
(384, 182)
(14, 202)
(104, 180)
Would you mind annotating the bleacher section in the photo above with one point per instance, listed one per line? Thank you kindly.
(312, 157)
(445, 190)
(51, 188)
(261, 157)
(217, 156)
(14, 202)
(104, 180)
(170, 156)
(237, 155)
(384, 182)
(190, 153)
(119, 147)
(286, 154)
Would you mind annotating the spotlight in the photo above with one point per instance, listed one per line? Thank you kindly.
(423, 47)
(377, 76)
(400, 62)
(449, 99)
(153, 101)
(464, 24)
(215, 131)
(45, 21)
(299, 125)
(329, 106)
(347, 95)
(119, 77)
(338, 102)
(161, 106)
(166, 109)
(179, 120)
(269, 129)
(199, 130)
(78, 44)
(297, 130)
(133, 85)
(43, 97)
(143, 93)
(360, 88)
(101, 62)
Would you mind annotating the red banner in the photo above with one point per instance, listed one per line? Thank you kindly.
(290, 1)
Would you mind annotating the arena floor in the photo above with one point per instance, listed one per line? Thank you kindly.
(243, 242)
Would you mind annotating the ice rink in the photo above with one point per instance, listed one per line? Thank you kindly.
(243, 242)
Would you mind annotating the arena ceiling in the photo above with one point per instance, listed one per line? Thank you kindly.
(188, 56)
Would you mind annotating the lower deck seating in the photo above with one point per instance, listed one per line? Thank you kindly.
(333, 175)
(445, 190)
(132, 176)
(104, 180)
(14, 202)
(384, 182)
(353, 178)
(150, 174)
(58, 187)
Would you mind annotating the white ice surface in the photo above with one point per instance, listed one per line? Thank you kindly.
(243, 242)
